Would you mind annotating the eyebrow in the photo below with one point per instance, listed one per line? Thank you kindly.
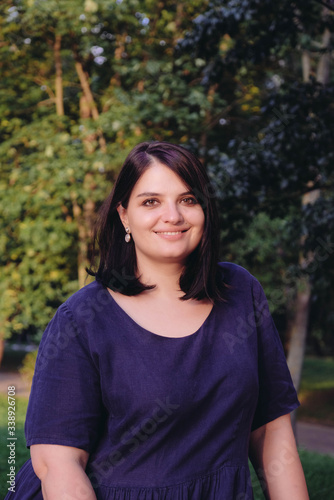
(159, 194)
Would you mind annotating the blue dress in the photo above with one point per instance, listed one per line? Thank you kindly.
(162, 418)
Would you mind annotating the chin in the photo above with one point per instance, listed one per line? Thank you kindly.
(174, 258)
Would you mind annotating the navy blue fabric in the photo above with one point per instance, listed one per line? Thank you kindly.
(162, 418)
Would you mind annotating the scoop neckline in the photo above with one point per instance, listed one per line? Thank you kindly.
(128, 317)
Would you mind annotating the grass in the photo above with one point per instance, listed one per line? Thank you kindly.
(318, 470)
(317, 391)
(318, 374)
(21, 452)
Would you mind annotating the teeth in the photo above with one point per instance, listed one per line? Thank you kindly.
(169, 232)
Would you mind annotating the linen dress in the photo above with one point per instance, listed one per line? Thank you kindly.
(162, 418)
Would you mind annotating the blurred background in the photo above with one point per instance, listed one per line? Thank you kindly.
(247, 86)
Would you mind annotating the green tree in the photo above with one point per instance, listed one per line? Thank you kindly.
(83, 82)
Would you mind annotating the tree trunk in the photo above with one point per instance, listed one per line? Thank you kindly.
(299, 332)
(86, 90)
(324, 62)
(85, 216)
(59, 77)
(85, 113)
(301, 309)
(298, 335)
(89, 100)
(84, 219)
(306, 65)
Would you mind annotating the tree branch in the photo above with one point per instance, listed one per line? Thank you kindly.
(59, 77)
(325, 5)
(90, 100)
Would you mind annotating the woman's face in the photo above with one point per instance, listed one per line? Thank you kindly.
(165, 220)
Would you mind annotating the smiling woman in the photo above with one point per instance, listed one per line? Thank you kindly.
(167, 224)
(159, 379)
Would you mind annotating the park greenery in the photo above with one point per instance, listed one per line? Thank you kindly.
(247, 85)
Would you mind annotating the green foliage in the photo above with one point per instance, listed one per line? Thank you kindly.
(317, 390)
(318, 374)
(260, 30)
(318, 473)
(223, 78)
(44, 167)
(266, 254)
(28, 366)
(319, 479)
(53, 166)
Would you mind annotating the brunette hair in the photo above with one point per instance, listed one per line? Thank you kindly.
(117, 266)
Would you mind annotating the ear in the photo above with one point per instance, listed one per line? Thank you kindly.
(122, 212)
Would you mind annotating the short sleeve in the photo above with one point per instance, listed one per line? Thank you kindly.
(277, 395)
(65, 404)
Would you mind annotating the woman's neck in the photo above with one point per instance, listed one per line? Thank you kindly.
(165, 276)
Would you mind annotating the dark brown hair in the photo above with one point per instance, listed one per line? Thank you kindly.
(117, 267)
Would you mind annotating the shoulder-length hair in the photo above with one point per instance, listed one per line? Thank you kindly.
(117, 267)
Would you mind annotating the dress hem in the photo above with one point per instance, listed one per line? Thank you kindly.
(197, 477)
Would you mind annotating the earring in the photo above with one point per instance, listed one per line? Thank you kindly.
(127, 236)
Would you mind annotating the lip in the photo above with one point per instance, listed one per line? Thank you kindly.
(171, 235)
(172, 231)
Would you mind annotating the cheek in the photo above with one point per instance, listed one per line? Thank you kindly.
(201, 230)
(142, 220)
(198, 219)
(203, 220)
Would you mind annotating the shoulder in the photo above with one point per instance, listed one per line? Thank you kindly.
(85, 294)
(240, 282)
(66, 332)
(234, 275)
(88, 302)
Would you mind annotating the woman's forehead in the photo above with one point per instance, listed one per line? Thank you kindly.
(159, 176)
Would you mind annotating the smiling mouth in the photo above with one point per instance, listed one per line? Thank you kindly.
(171, 233)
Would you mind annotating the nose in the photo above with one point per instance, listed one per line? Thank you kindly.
(172, 213)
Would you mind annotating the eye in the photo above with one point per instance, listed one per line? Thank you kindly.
(189, 200)
(150, 202)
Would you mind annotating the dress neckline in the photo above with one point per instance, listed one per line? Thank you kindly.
(137, 325)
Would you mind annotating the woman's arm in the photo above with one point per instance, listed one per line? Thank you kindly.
(275, 458)
(61, 470)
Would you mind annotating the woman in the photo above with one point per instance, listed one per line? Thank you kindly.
(157, 380)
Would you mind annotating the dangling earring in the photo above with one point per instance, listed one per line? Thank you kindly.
(127, 236)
